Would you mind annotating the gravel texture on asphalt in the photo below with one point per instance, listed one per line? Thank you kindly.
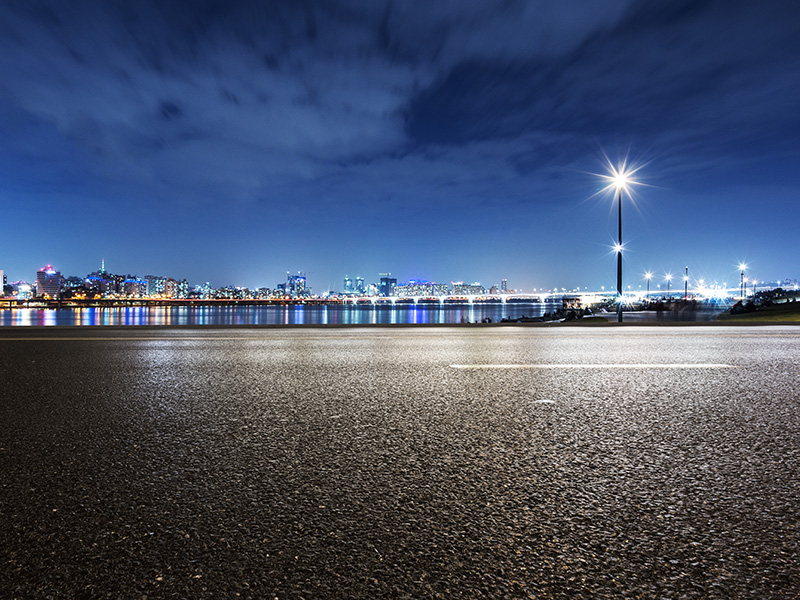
(358, 463)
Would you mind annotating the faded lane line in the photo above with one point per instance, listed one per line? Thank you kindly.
(602, 366)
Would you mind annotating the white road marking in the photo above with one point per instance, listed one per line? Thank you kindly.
(602, 366)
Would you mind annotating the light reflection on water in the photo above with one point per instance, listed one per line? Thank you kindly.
(273, 315)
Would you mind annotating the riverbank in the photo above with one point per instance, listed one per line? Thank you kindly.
(777, 313)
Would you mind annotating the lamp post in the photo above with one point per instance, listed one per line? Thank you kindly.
(669, 280)
(619, 180)
(620, 185)
(686, 284)
(742, 268)
(648, 276)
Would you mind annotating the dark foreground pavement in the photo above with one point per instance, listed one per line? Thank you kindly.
(358, 463)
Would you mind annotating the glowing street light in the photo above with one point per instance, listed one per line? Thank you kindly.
(668, 277)
(648, 276)
(619, 179)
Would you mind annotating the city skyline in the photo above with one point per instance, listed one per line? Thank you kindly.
(447, 142)
(104, 283)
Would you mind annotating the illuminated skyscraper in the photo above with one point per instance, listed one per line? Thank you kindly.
(48, 282)
(296, 285)
(387, 285)
(504, 286)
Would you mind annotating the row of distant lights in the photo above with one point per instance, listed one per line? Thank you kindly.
(621, 180)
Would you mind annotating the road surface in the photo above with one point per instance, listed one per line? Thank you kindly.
(443, 462)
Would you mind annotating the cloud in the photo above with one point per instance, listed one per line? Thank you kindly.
(217, 96)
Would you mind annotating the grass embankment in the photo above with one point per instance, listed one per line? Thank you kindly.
(788, 311)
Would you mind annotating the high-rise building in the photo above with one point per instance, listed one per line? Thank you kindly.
(504, 286)
(296, 284)
(360, 285)
(48, 282)
(387, 285)
(348, 285)
(174, 288)
(155, 285)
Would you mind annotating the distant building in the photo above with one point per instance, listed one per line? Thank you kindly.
(387, 285)
(421, 288)
(468, 289)
(360, 289)
(154, 285)
(22, 289)
(103, 282)
(135, 287)
(206, 291)
(296, 285)
(2, 282)
(348, 285)
(48, 282)
(504, 286)
(174, 288)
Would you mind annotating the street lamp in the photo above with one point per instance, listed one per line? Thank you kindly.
(668, 277)
(648, 276)
(686, 284)
(742, 268)
(619, 180)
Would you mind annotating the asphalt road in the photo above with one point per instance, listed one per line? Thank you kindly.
(447, 462)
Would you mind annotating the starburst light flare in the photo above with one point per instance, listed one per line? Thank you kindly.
(620, 178)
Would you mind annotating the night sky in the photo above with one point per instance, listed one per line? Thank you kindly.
(232, 142)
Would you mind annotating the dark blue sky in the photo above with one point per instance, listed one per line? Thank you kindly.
(231, 142)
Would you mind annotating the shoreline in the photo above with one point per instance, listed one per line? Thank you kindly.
(543, 324)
